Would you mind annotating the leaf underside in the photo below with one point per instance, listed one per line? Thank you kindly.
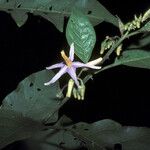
(55, 11)
(105, 134)
(100, 135)
(134, 58)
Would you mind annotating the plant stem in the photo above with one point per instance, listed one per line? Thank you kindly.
(113, 48)
(56, 109)
(125, 36)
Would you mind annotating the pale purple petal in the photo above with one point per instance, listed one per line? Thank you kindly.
(57, 76)
(72, 73)
(79, 64)
(71, 53)
(59, 65)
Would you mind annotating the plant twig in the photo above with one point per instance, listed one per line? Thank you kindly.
(125, 36)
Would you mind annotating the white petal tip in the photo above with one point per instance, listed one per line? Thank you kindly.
(47, 68)
(94, 67)
(98, 67)
(46, 84)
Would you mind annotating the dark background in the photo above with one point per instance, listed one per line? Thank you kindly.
(121, 93)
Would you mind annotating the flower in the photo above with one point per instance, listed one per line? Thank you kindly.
(69, 66)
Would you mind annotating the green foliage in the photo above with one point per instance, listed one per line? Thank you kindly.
(55, 11)
(106, 133)
(55, 139)
(25, 109)
(33, 99)
(14, 126)
(134, 58)
(80, 32)
(146, 27)
(100, 135)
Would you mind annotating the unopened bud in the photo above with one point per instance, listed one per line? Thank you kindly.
(70, 87)
(75, 93)
(82, 91)
(119, 49)
(146, 15)
(121, 25)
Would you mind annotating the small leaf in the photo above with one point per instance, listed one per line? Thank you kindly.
(80, 32)
(134, 58)
(146, 27)
(55, 10)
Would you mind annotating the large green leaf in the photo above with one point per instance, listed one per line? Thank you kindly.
(24, 110)
(33, 99)
(80, 32)
(134, 58)
(55, 10)
(100, 135)
(55, 139)
(14, 127)
(105, 134)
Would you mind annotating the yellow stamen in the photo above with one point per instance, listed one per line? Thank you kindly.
(66, 59)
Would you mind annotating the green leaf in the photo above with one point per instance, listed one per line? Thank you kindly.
(134, 58)
(80, 32)
(24, 110)
(97, 13)
(106, 133)
(146, 27)
(33, 99)
(55, 10)
(53, 139)
(14, 127)
(64, 121)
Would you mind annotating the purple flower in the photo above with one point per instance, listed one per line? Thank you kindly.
(68, 66)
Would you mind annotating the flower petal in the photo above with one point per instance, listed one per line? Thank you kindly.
(71, 54)
(79, 64)
(57, 76)
(92, 66)
(59, 65)
(72, 73)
